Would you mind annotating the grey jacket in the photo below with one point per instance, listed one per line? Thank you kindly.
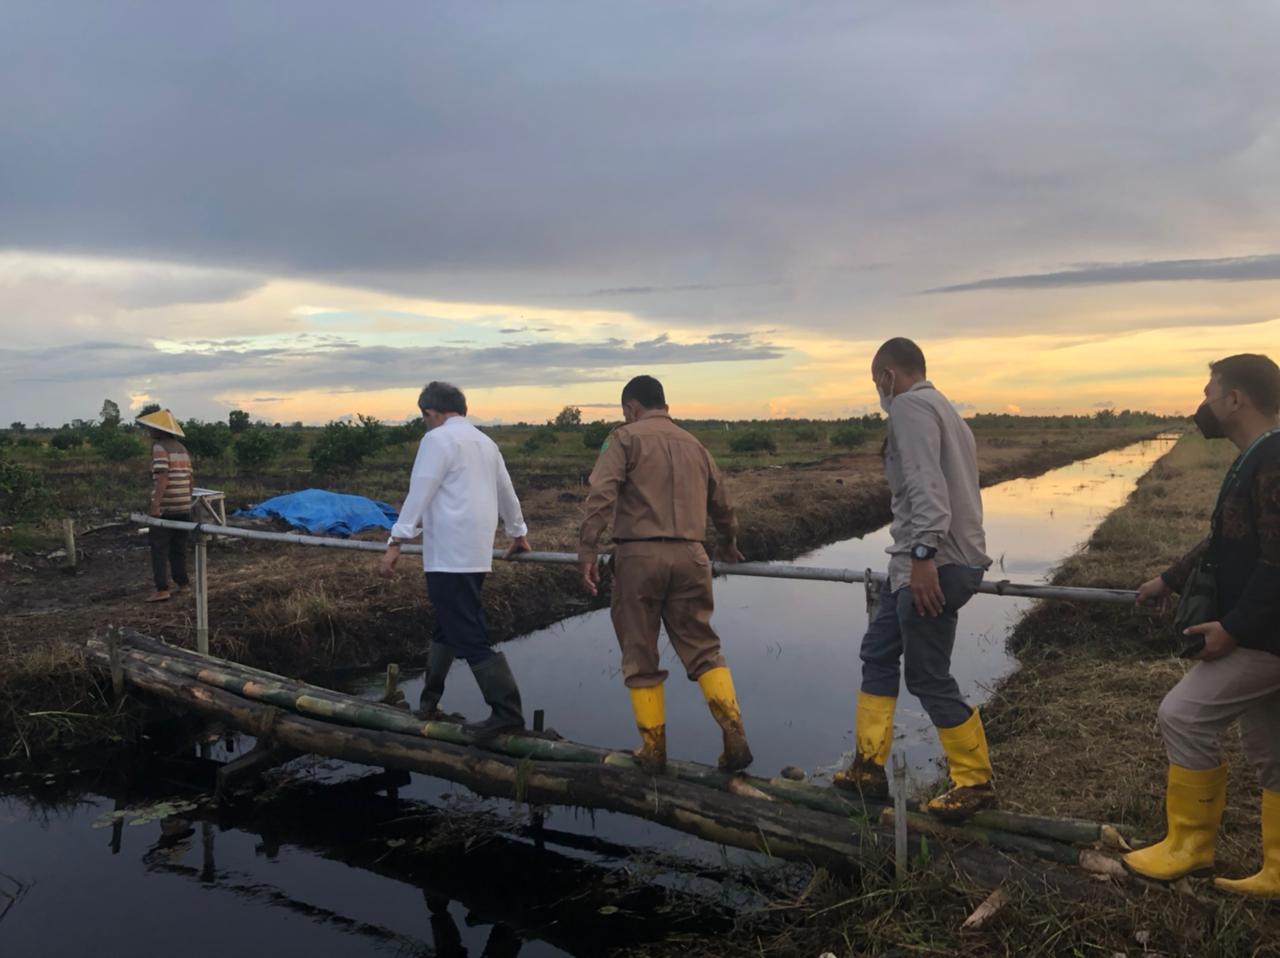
(931, 461)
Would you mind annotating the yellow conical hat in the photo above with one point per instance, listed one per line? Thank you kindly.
(163, 420)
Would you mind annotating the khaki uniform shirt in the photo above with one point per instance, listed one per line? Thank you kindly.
(659, 482)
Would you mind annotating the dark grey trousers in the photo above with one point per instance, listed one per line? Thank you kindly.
(897, 635)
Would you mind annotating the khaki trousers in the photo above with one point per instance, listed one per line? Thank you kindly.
(1244, 685)
(663, 583)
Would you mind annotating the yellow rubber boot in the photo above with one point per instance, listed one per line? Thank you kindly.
(969, 765)
(873, 739)
(651, 719)
(1266, 883)
(717, 689)
(1193, 806)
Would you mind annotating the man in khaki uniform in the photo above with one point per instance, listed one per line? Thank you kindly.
(660, 483)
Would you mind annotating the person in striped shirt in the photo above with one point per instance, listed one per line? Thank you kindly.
(171, 488)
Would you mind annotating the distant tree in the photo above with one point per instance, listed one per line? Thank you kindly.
(23, 495)
(541, 438)
(149, 408)
(807, 434)
(569, 417)
(343, 445)
(206, 440)
(18, 426)
(848, 437)
(411, 430)
(238, 420)
(110, 415)
(255, 448)
(118, 446)
(67, 439)
(595, 434)
(753, 440)
(287, 440)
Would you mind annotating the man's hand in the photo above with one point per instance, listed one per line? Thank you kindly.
(926, 591)
(1217, 640)
(518, 544)
(154, 510)
(590, 570)
(1155, 592)
(387, 567)
(727, 551)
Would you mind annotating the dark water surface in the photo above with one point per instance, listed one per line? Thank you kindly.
(304, 877)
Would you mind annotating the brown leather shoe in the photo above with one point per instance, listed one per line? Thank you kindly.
(962, 802)
(158, 597)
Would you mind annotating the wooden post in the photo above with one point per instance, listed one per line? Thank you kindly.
(900, 818)
(202, 594)
(69, 534)
(114, 663)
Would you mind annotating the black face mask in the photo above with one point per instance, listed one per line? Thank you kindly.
(1209, 425)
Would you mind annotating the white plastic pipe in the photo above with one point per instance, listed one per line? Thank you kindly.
(767, 570)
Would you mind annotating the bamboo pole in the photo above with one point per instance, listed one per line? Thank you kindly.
(769, 570)
(202, 593)
(313, 701)
(778, 829)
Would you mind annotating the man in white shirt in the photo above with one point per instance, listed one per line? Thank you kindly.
(458, 489)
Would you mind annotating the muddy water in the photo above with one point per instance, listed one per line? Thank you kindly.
(309, 879)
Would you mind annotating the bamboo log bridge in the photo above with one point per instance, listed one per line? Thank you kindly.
(797, 821)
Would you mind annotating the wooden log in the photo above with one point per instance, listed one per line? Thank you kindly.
(1005, 841)
(294, 695)
(776, 829)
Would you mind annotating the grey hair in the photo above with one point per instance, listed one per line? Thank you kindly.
(442, 397)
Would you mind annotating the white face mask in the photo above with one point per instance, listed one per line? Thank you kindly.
(886, 398)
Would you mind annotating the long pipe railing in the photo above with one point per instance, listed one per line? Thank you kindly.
(767, 570)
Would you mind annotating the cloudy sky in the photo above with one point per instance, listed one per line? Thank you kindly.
(309, 209)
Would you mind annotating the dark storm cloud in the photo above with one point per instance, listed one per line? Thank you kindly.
(664, 156)
(1233, 269)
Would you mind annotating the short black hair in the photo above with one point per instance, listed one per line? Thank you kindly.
(1255, 375)
(645, 390)
(903, 353)
(442, 397)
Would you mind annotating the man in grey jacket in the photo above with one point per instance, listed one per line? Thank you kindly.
(936, 564)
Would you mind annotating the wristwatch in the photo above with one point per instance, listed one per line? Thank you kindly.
(391, 541)
(923, 552)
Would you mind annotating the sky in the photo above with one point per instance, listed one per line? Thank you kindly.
(310, 209)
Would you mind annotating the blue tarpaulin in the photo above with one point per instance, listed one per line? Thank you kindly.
(325, 513)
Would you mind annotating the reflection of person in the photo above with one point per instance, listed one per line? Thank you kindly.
(171, 486)
(659, 483)
(458, 489)
(1237, 672)
(936, 564)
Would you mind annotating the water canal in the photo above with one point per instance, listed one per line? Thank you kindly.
(306, 881)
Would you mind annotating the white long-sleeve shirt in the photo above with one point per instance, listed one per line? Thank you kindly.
(458, 489)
